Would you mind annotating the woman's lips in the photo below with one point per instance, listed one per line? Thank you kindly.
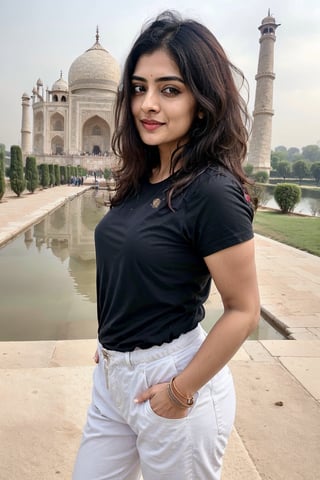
(151, 125)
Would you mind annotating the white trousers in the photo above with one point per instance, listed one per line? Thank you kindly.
(123, 439)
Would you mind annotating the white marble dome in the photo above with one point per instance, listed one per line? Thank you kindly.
(94, 69)
(60, 85)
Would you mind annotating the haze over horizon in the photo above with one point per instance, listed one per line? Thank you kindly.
(38, 42)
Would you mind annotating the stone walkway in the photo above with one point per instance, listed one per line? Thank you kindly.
(45, 386)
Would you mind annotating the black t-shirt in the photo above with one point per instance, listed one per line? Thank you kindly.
(152, 280)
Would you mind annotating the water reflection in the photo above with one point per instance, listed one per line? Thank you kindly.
(263, 331)
(47, 279)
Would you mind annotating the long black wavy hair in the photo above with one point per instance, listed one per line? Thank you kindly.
(219, 138)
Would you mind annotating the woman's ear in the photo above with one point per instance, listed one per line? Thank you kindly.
(200, 114)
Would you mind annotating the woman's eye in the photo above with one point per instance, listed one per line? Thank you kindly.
(136, 89)
(171, 91)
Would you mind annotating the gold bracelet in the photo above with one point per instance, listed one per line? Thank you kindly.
(188, 400)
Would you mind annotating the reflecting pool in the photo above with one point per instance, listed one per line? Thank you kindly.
(309, 203)
(47, 277)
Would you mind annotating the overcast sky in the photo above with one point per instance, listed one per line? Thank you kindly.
(40, 38)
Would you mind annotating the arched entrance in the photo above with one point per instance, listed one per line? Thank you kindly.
(57, 145)
(95, 136)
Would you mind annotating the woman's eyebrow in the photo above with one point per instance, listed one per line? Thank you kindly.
(168, 78)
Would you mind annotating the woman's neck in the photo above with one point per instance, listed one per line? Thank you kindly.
(159, 174)
(163, 171)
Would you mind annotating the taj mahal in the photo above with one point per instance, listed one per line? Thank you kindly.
(72, 123)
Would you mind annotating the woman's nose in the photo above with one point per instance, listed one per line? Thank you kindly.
(150, 102)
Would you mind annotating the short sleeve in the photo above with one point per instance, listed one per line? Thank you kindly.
(218, 215)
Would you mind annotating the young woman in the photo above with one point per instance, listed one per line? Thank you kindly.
(163, 399)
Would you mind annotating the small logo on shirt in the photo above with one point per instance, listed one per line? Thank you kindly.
(155, 202)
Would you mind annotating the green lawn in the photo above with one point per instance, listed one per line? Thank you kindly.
(295, 230)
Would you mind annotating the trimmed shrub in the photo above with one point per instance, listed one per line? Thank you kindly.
(52, 179)
(107, 173)
(68, 175)
(261, 177)
(32, 176)
(63, 175)
(44, 175)
(2, 177)
(57, 175)
(17, 181)
(287, 195)
(248, 169)
(258, 194)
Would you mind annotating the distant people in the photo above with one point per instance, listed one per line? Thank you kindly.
(163, 400)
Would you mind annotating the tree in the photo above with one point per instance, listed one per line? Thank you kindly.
(300, 169)
(63, 175)
(68, 174)
(293, 154)
(107, 173)
(3, 150)
(277, 157)
(311, 152)
(57, 175)
(44, 175)
(315, 171)
(32, 176)
(296, 157)
(17, 181)
(287, 195)
(2, 176)
(248, 169)
(274, 160)
(261, 177)
(281, 148)
(283, 169)
(52, 179)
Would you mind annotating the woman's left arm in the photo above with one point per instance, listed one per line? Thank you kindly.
(234, 273)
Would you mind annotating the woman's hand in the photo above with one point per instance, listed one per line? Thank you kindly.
(160, 402)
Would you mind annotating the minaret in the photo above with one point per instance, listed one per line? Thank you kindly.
(260, 143)
(25, 126)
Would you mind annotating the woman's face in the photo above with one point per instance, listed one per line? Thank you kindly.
(162, 105)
